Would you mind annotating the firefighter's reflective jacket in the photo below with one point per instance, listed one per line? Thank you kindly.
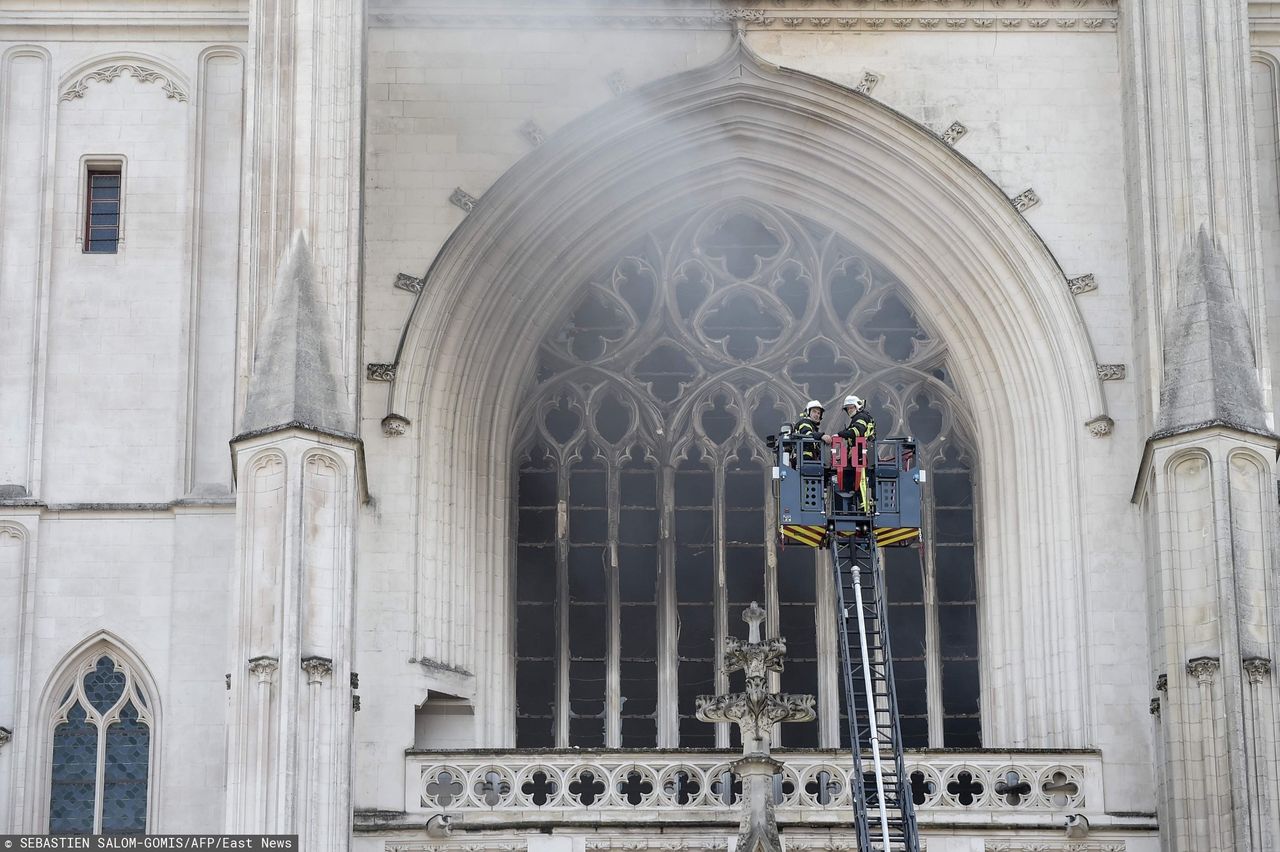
(807, 427)
(861, 425)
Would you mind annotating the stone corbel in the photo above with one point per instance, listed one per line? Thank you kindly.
(395, 425)
(6, 735)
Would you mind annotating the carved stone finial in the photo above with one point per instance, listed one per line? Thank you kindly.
(754, 617)
(533, 133)
(463, 200)
(375, 372)
(954, 133)
(1082, 284)
(408, 283)
(1257, 668)
(868, 82)
(317, 668)
(1101, 426)
(263, 668)
(1025, 200)
(617, 81)
(394, 425)
(1203, 668)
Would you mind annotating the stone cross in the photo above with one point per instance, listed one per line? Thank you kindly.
(755, 711)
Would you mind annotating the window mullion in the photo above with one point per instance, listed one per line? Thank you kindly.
(932, 649)
(613, 669)
(100, 776)
(562, 606)
(668, 653)
(772, 607)
(721, 604)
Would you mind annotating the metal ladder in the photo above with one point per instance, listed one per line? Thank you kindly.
(884, 813)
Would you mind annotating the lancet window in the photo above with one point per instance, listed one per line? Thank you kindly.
(644, 523)
(101, 764)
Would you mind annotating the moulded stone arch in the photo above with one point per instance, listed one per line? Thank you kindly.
(67, 669)
(741, 128)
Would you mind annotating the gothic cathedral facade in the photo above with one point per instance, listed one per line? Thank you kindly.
(385, 386)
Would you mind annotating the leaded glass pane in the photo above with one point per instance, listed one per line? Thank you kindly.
(643, 482)
(104, 686)
(124, 788)
(74, 775)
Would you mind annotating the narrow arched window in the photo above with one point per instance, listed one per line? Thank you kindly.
(101, 764)
(644, 520)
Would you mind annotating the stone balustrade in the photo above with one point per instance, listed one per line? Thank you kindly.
(567, 787)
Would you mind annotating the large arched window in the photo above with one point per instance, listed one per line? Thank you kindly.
(643, 520)
(102, 740)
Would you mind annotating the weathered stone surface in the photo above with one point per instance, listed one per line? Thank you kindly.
(294, 378)
(1210, 372)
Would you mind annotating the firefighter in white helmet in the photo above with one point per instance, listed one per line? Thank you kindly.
(810, 426)
(861, 424)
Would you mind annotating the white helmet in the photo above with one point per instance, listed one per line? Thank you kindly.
(813, 403)
(855, 401)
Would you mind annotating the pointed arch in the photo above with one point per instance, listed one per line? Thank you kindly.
(105, 653)
(744, 128)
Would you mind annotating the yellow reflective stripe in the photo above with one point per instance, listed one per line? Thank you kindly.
(810, 535)
(895, 535)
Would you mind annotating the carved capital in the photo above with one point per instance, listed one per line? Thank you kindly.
(1100, 426)
(6, 735)
(395, 425)
(317, 668)
(1203, 669)
(263, 668)
(1257, 668)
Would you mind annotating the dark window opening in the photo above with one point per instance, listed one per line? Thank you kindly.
(102, 210)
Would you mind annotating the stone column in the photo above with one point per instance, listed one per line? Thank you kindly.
(1207, 480)
(298, 480)
(1207, 489)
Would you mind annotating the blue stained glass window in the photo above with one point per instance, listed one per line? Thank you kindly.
(124, 791)
(104, 685)
(75, 769)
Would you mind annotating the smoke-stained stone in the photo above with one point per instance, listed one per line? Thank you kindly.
(1209, 366)
(294, 377)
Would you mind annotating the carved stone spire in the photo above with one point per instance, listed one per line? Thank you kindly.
(1210, 373)
(756, 711)
(295, 377)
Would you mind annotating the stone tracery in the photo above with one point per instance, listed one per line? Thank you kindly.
(645, 420)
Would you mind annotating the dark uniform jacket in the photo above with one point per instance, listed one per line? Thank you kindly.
(861, 425)
(807, 427)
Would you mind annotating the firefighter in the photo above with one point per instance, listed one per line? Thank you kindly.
(810, 426)
(861, 424)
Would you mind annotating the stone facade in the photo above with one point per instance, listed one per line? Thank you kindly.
(345, 232)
